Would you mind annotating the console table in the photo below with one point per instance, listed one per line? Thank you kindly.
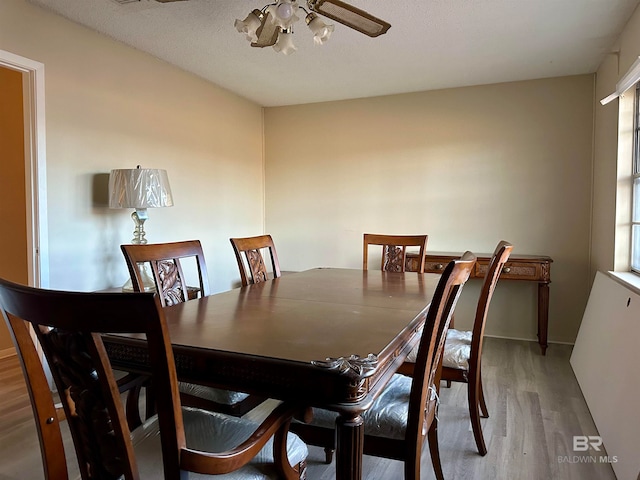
(528, 268)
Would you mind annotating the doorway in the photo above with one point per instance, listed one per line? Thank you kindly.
(25, 78)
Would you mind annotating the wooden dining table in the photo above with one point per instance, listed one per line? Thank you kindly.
(326, 337)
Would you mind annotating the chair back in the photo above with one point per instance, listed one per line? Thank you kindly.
(394, 250)
(166, 264)
(68, 327)
(498, 259)
(428, 362)
(250, 260)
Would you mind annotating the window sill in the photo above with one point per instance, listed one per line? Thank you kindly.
(628, 279)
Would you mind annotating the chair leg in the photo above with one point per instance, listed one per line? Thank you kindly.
(412, 463)
(150, 401)
(483, 405)
(131, 385)
(474, 413)
(434, 450)
(132, 409)
(328, 455)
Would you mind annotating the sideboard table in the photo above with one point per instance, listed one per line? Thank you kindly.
(529, 268)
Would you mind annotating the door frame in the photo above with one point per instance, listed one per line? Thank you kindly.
(35, 164)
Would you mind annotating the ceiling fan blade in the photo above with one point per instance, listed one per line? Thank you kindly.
(267, 33)
(350, 16)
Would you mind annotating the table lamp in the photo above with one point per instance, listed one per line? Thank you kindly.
(139, 188)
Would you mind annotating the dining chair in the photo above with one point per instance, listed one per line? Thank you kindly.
(394, 250)
(166, 260)
(69, 327)
(462, 358)
(405, 412)
(250, 260)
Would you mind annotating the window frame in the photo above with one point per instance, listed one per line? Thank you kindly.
(635, 185)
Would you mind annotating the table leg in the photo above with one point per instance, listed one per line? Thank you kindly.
(543, 315)
(349, 445)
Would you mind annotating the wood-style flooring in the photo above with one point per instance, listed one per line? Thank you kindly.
(534, 402)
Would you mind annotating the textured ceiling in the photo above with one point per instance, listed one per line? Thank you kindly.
(432, 44)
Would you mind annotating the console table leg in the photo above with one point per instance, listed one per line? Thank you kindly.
(349, 447)
(543, 315)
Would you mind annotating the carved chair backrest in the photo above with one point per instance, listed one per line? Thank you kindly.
(250, 259)
(166, 264)
(498, 259)
(68, 326)
(428, 360)
(394, 250)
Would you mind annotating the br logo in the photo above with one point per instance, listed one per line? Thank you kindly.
(582, 443)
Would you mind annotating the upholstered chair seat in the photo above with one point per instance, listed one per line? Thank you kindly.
(212, 432)
(388, 415)
(457, 350)
(218, 395)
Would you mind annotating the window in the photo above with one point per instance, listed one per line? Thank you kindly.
(635, 215)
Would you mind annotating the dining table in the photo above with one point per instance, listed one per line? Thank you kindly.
(325, 337)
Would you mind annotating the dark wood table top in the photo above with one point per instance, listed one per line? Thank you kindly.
(266, 338)
(306, 316)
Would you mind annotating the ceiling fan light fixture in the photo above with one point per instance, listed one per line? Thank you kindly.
(250, 25)
(321, 31)
(272, 26)
(285, 43)
(350, 16)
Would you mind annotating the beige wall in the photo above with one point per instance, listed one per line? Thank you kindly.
(468, 166)
(13, 239)
(110, 106)
(518, 154)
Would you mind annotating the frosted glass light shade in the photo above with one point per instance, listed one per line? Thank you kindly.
(139, 188)
(321, 31)
(285, 43)
(249, 25)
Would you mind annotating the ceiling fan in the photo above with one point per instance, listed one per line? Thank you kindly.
(272, 25)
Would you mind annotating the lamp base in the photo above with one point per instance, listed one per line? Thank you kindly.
(149, 285)
(139, 216)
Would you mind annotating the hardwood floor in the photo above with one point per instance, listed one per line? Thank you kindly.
(535, 404)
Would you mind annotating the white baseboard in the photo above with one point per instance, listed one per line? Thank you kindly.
(535, 340)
